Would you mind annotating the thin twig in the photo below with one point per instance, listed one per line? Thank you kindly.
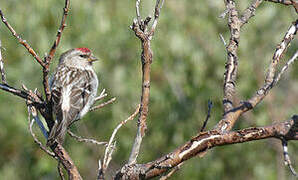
(102, 95)
(208, 115)
(85, 140)
(59, 32)
(60, 171)
(49, 57)
(224, 14)
(158, 7)
(21, 41)
(22, 94)
(285, 67)
(175, 169)
(100, 174)
(138, 12)
(103, 104)
(32, 110)
(110, 147)
(2, 71)
(250, 11)
(287, 157)
(223, 40)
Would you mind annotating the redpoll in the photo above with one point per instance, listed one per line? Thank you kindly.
(73, 90)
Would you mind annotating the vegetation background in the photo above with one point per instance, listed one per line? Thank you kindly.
(187, 70)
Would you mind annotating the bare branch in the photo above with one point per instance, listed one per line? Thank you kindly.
(207, 140)
(175, 169)
(51, 54)
(103, 104)
(138, 12)
(32, 110)
(231, 116)
(140, 29)
(102, 95)
(21, 41)
(208, 115)
(66, 161)
(158, 7)
(223, 40)
(85, 140)
(250, 11)
(287, 157)
(285, 67)
(110, 147)
(60, 171)
(2, 71)
(284, 2)
(59, 32)
(232, 57)
(23, 94)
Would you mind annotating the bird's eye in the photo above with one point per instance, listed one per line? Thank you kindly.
(83, 56)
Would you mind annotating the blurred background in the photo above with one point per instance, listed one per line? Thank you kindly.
(187, 70)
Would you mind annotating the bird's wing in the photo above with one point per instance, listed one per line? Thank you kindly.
(72, 91)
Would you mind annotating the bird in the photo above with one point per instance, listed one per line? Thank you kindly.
(73, 89)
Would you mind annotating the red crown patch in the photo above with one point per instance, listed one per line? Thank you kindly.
(85, 50)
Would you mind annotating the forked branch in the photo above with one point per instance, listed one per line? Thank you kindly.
(140, 27)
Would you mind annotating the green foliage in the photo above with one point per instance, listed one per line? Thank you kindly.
(187, 70)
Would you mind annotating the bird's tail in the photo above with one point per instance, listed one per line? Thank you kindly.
(58, 131)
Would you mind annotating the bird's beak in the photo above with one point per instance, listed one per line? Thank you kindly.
(92, 58)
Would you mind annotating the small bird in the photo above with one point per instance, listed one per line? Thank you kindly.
(73, 90)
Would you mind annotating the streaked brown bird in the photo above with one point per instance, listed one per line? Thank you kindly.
(73, 90)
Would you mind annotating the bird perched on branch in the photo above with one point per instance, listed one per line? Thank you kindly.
(73, 90)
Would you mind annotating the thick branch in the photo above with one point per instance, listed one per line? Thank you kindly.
(207, 140)
(66, 161)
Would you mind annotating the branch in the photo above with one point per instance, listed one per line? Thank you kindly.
(232, 115)
(250, 11)
(32, 110)
(110, 147)
(103, 104)
(287, 157)
(175, 169)
(23, 94)
(285, 67)
(66, 161)
(207, 140)
(60, 171)
(208, 115)
(232, 58)
(85, 140)
(102, 95)
(286, 2)
(49, 57)
(21, 41)
(140, 29)
(2, 71)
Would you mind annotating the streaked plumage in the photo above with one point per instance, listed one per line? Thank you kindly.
(73, 88)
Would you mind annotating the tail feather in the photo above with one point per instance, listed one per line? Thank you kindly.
(58, 131)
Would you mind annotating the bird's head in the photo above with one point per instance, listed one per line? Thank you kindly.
(78, 58)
